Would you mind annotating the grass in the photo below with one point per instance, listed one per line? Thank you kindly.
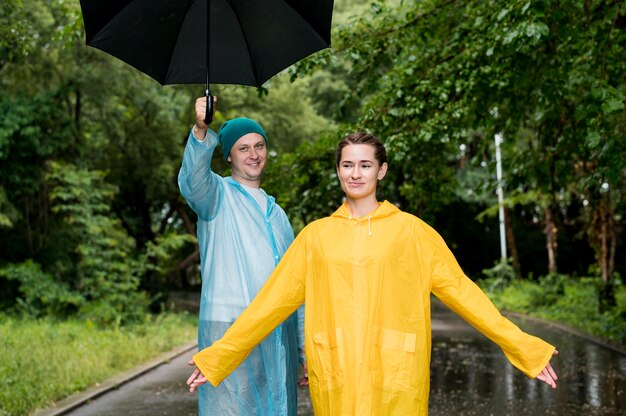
(570, 301)
(42, 361)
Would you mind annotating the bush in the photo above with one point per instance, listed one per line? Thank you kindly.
(568, 300)
(102, 269)
(498, 277)
(39, 293)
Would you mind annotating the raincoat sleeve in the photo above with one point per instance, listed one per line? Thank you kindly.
(526, 352)
(198, 184)
(279, 297)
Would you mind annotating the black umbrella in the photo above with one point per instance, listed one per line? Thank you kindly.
(249, 40)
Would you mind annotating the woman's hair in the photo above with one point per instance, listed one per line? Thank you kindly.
(364, 138)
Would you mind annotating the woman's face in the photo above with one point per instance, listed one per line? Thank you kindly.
(359, 171)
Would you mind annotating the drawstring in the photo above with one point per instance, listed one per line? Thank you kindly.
(369, 224)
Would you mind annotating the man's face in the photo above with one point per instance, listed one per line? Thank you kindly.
(247, 159)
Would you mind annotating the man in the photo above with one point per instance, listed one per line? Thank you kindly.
(242, 234)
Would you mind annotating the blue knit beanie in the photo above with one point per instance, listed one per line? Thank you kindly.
(234, 129)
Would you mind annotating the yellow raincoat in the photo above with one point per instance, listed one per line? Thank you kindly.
(366, 284)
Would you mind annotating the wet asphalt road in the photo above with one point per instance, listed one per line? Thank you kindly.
(161, 392)
(158, 392)
(470, 376)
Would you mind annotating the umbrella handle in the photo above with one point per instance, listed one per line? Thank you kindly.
(208, 118)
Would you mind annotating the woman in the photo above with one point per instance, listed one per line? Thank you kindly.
(365, 275)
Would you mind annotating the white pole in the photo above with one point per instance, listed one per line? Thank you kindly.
(500, 193)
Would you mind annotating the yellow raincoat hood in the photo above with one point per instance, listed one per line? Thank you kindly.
(366, 284)
(384, 210)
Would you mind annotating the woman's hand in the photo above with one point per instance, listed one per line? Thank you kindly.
(548, 375)
(196, 379)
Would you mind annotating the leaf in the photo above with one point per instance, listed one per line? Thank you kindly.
(593, 139)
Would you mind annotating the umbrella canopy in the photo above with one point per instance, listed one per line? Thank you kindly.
(249, 41)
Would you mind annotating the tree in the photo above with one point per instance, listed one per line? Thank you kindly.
(99, 264)
(14, 32)
(434, 76)
(65, 104)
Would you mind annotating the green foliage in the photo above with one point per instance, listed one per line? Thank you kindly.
(69, 356)
(564, 299)
(161, 263)
(431, 78)
(162, 250)
(34, 130)
(499, 276)
(313, 191)
(515, 198)
(105, 272)
(529, 296)
(8, 213)
(285, 110)
(14, 34)
(345, 9)
(39, 293)
(134, 133)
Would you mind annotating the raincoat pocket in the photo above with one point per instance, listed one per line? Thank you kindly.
(394, 359)
(328, 360)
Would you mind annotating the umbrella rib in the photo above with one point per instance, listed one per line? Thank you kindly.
(254, 69)
(303, 18)
(182, 22)
(96, 33)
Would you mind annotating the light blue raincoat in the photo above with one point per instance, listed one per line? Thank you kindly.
(239, 247)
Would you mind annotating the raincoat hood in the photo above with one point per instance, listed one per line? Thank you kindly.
(384, 210)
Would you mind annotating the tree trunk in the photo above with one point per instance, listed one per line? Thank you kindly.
(550, 230)
(603, 244)
(190, 260)
(613, 247)
(29, 231)
(77, 109)
(183, 266)
(510, 240)
(607, 246)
